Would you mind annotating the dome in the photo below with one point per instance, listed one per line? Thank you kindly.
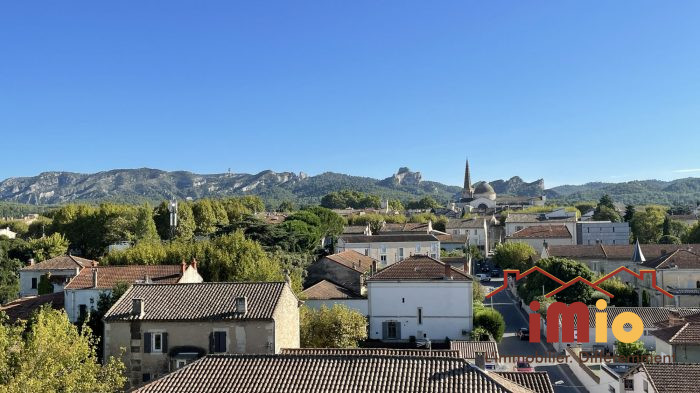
(484, 189)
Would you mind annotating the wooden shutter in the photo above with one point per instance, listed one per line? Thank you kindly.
(398, 330)
(211, 342)
(385, 330)
(164, 341)
(147, 343)
(220, 341)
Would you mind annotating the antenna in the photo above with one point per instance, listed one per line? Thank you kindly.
(172, 208)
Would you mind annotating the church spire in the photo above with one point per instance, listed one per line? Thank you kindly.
(468, 191)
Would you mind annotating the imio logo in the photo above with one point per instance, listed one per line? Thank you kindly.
(577, 313)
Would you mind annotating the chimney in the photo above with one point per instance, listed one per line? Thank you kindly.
(448, 271)
(374, 267)
(241, 306)
(480, 360)
(31, 261)
(94, 263)
(194, 263)
(94, 277)
(137, 307)
(467, 264)
(183, 267)
(287, 278)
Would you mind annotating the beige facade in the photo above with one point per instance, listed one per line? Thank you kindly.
(388, 249)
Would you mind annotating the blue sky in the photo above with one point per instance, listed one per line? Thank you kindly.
(567, 91)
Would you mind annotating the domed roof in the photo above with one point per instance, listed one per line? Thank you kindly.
(483, 187)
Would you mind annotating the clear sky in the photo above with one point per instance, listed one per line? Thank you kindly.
(570, 91)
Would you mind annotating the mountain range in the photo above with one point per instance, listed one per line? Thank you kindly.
(145, 184)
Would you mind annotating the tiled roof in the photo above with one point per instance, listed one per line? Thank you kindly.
(354, 229)
(619, 251)
(537, 381)
(649, 315)
(687, 333)
(109, 276)
(461, 239)
(543, 232)
(468, 349)
(353, 260)
(370, 351)
(24, 307)
(682, 259)
(200, 301)
(418, 267)
(407, 227)
(328, 374)
(403, 237)
(64, 262)
(326, 290)
(535, 217)
(673, 377)
(684, 291)
(477, 223)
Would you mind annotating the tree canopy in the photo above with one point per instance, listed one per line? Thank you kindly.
(335, 327)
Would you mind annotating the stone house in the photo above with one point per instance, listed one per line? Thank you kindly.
(60, 271)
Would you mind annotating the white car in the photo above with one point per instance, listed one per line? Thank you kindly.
(483, 277)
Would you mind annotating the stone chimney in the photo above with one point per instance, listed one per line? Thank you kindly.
(31, 261)
(183, 267)
(94, 277)
(94, 263)
(138, 307)
(480, 360)
(374, 267)
(194, 263)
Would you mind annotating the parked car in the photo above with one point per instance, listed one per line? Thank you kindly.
(483, 277)
(484, 269)
(524, 333)
(524, 367)
(495, 272)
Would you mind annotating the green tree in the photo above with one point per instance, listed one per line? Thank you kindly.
(234, 258)
(647, 225)
(9, 272)
(629, 213)
(636, 348)
(490, 320)
(286, 207)
(45, 285)
(606, 201)
(479, 334)
(49, 247)
(623, 295)
(396, 204)
(564, 269)
(204, 217)
(513, 255)
(426, 202)
(693, 236)
(53, 356)
(145, 228)
(186, 224)
(93, 320)
(335, 327)
(604, 213)
(477, 292)
(585, 207)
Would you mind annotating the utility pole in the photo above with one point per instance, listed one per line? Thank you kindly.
(172, 208)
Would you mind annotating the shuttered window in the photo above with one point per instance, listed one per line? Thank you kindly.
(219, 342)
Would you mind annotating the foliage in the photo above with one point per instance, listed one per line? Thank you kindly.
(629, 213)
(93, 320)
(396, 205)
(286, 207)
(19, 227)
(45, 287)
(636, 348)
(478, 295)
(585, 207)
(623, 295)
(48, 247)
(335, 327)
(513, 255)
(375, 221)
(565, 270)
(545, 302)
(53, 356)
(9, 273)
(350, 199)
(426, 202)
(646, 225)
(604, 213)
(490, 320)
(693, 236)
(479, 334)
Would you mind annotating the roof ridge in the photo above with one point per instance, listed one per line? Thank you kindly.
(683, 327)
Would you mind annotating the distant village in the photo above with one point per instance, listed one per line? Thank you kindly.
(394, 305)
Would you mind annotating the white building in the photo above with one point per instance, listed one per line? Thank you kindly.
(389, 249)
(476, 230)
(327, 293)
(422, 298)
(8, 233)
(59, 270)
(542, 236)
(83, 292)
(518, 221)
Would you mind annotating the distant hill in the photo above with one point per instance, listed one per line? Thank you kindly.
(139, 185)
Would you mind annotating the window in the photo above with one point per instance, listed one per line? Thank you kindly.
(611, 389)
(420, 315)
(392, 330)
(366, 252)
(417, 248)
(179, 363)
(401, 254)
(697, 284)
(146, 377)
(382, 249)
(157, 342)
(34, 282)
(629, 384)
(382, 258)
(82, 310)
(219, 342)
(646, 386)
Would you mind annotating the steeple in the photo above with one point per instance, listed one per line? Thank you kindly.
(467, 191)
(638, 256)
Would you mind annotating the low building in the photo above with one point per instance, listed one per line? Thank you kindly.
(166, 326)
(663, 378)
(678, 272)
(346, 268)
(468, 350)
(59, 271)
(22, 309)
(679, 338)
(327, 293)
(542, 236)
(83, 292)
(537, 381)
(7, 233)
(420, 298)
(332, 373)
(519, 221)
(476, 230)
(602, 232)
(389, 249)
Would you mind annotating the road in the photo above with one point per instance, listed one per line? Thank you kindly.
(511, 344)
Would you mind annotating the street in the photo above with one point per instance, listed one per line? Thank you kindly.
(505, 303)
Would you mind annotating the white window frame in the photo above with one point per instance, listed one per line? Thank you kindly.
(153, 341)
(400, 253)
(180, 363)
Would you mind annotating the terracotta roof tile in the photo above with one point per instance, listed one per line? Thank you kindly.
(673, 377)
(543, 232)
(370, 351)
(403, 237)
(353, 260)
(109, 276)
(64, 262)
(687, 334)
(468, 349)
(620, 251)
(329, 374)
(200, 301)
(682, 259)
(326, 290)
(537, 381)
(418, 267)
(477, 223)
(24, 308)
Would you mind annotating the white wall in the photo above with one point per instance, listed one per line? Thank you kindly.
(25, 280)
(447, 308)
(360, 305)
(73, 298)
(393, 255)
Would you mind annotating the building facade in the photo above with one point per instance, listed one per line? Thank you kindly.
(59, 271)
(389, 249)
(602, 232)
